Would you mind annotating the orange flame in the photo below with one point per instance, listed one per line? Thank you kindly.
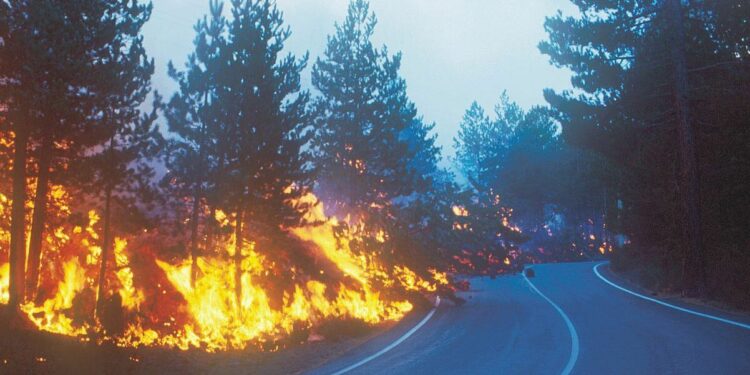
(211, 316)
(4, 279)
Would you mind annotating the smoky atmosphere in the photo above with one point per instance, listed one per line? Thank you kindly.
(373, 186)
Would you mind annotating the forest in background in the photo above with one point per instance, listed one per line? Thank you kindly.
(648, 153)
(661, 93)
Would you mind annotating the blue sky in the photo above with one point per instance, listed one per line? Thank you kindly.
(454, 51)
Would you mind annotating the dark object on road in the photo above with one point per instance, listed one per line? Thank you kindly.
(529, 272)
(449, 294)
(457, 301)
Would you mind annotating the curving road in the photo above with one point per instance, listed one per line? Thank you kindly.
(565, 318)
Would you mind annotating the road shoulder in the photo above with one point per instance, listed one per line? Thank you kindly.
(698, 305)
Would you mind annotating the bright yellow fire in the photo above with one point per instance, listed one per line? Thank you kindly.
(4, 278)
(47, 316)
(211, 315)
(221, 321)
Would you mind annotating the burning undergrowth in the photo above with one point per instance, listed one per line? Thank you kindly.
(288, 288)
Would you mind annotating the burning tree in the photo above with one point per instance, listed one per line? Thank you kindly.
(264, 115)
(121, 175)
(374, 155)
(56, 57)
(193, 158)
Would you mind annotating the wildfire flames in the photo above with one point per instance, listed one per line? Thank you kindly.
(166, 309)
(4, 278)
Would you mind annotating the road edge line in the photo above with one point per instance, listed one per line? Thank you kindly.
(707, 316)
(393, 344)
(574, 342)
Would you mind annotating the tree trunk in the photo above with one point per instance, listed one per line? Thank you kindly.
(196, 206)
(693, 261)
(194, 237)
(18, 218)
(38, 219)
(107, 239)
(213, 225)
(106, 248)
(210, 230)
(238, 258)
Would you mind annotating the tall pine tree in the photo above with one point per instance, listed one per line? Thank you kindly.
(191, 157)
(263, 123)
(119, 172)
(371, 147)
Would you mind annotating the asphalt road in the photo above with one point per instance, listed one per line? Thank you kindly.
(506, 327)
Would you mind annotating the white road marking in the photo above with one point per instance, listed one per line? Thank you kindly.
(393, 344)
(574, 344)
(732, 322)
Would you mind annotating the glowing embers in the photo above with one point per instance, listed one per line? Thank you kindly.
(460, 211)
(4, 279)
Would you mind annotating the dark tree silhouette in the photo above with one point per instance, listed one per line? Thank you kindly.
(655, 87)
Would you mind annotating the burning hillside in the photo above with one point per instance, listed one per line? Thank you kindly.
(154, 302)
(192, 222)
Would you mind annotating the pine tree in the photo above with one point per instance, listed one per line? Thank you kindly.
(121, 176)
(20, 55)
(517, 155)
(482, 143)
(422, 155)
(471, 144)
(371, 147)
(265, 123)
(17, 103)
(524, 176)
(191, 157)
(509, 117)
(375, 157)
